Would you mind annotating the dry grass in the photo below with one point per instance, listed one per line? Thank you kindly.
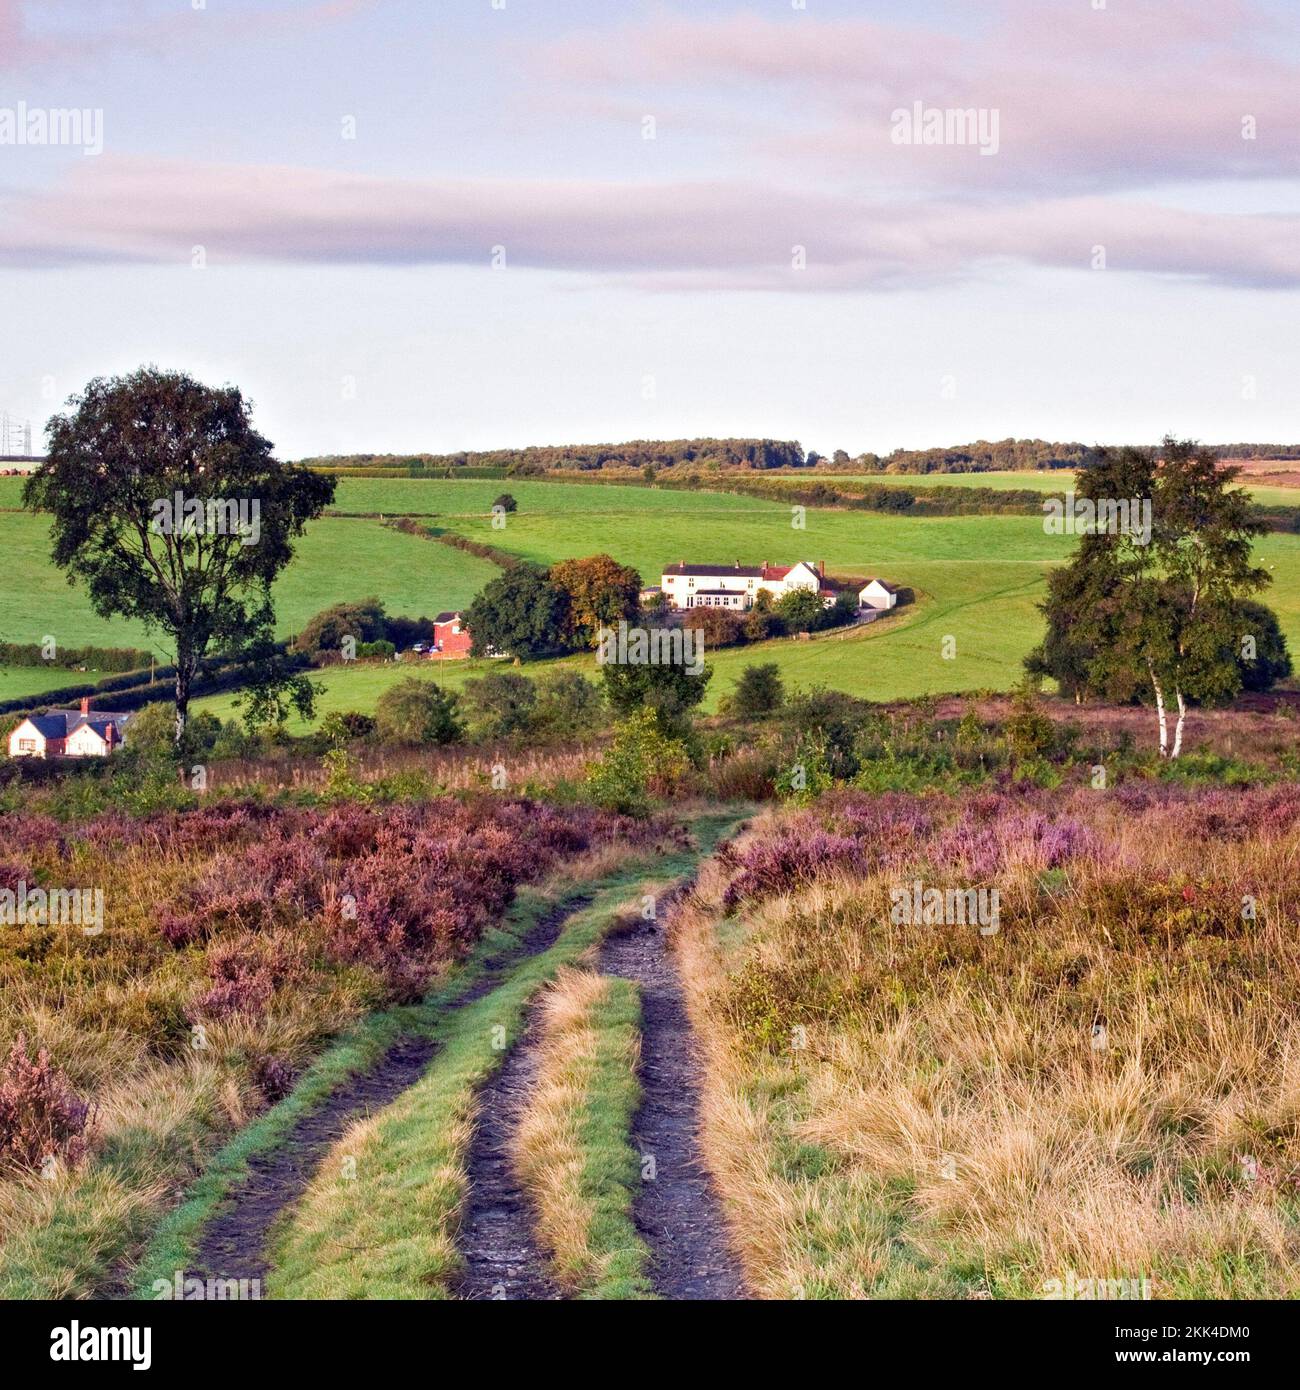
(572, 1150)
(938, 1121)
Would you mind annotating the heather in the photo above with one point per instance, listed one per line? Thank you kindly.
(239, 937)
(1102, 1085)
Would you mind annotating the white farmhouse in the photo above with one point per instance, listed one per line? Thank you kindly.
(737, 586)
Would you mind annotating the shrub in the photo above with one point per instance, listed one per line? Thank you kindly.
(506, 502)
(344, 727)
(363, 622)
(717, 627)
(500, 704)
(758, 691)
(416, 712)
(383, 648)
(40, 1115)
(568, 706)
(641, 759)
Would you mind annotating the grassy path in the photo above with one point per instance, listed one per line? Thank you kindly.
(382, 1215)
(677, 1212)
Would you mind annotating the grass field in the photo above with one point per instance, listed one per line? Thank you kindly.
(338, 558)
(18, 681)
(977, 578)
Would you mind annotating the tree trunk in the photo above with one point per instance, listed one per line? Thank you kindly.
(185, 665)
(1160, 712)
(1178, 727)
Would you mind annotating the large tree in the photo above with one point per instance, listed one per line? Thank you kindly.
(520, 613)
(1165, 615)
(168, 505)
(599, 592)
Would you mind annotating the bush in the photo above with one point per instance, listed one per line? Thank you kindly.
(758, 691)
(568, 706)
(717, 627)
(640, 760)
(500, 704)
(417, 711)
(345, 726)
(506, 502)
(382, 648)
(363, 622)
(40, 1115)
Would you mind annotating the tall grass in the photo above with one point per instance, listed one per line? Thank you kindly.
(1105, 1088)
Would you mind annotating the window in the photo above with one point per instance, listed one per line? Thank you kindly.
(27, 745)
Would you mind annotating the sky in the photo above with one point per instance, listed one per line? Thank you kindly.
(435, 225)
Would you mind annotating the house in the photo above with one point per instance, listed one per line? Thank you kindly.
(878, 594)
(737, 586)
(451, 638)
(69, 733)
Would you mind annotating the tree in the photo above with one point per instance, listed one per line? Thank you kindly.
(1158, 615)
(363, 621)
(1262, 653)
(168, 505)
(758, 691)
(500, 704)
(416, 711)
(506, 502)
(598, 592)
(520, 613)
(669, 691)
(568, 706)
(800, 610)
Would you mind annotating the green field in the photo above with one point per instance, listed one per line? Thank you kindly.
(337, 559)
(976, 578)
(16, 681)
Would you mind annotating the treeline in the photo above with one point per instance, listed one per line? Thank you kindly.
(879, 497)
(538, 459)
(983, 456)
(71, 658)
(502, 558)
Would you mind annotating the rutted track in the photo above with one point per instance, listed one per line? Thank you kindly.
(497, 1240)
(677, 1212)
(234, 1243)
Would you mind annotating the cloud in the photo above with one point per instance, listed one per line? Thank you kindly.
(61, 32)
(729, 234)
(1138, 93)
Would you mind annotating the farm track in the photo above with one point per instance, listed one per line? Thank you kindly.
(678, 1212)
(234, 1245)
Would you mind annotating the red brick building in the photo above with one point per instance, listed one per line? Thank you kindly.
(451, 639)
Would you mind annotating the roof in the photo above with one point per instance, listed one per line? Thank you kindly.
(99, 722)
(47, 725)
(884, 584)
(776, 571)
(716, 571)
(447, 617)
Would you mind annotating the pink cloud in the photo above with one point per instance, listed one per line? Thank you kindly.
(1140, 92)
(728, 234)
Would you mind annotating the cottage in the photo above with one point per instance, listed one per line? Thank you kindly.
(69, 733)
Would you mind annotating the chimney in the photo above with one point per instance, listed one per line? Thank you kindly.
(85, 704)
(821, 568)
(110, 733)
